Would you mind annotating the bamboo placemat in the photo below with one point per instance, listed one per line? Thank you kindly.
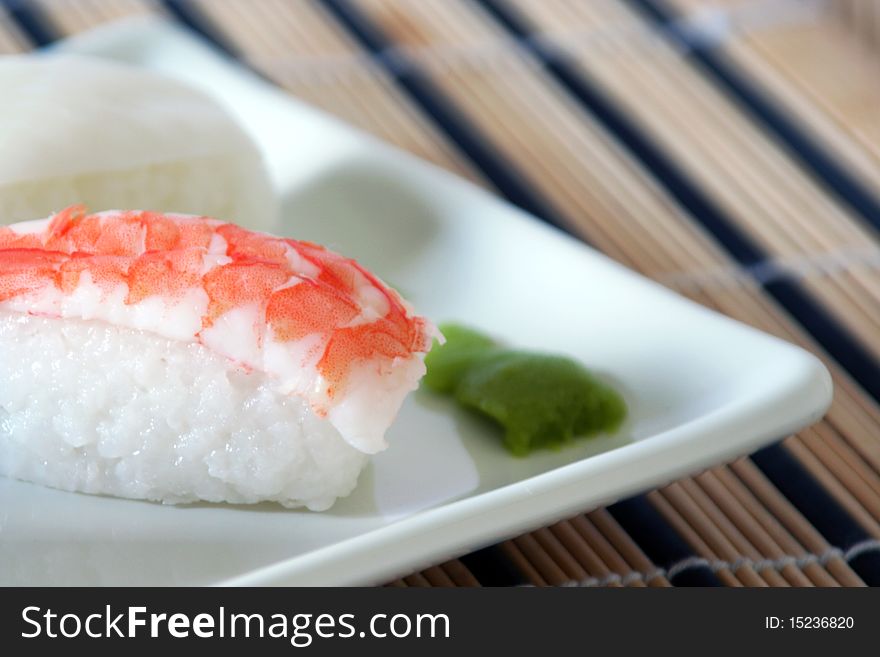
(729, 149)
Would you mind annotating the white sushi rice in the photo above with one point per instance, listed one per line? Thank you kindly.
(79, 130)
(232, 185)
(90, 407)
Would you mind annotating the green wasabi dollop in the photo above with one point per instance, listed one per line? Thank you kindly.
(540, 400)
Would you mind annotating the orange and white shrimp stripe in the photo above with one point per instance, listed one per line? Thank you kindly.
(323, 326)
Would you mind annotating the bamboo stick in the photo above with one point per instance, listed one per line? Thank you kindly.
(417, 580)
(623, 545)
(562, 555)
(438, 577)
(512, 552)
(697, 541)
(584, 553)
(752, 533)
(714, 530)
(604, 561)
(792, 519)
(460, 574)
(542, 561)
(785, 542)
(861, 16)
(800, 62)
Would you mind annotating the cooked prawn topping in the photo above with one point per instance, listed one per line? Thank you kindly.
(318, 323)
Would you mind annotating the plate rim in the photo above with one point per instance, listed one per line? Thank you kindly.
(537, 500)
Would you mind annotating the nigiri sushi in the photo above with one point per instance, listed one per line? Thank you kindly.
(179, 358)
(78, 129)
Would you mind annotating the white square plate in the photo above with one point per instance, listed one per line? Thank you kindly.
(702, 388)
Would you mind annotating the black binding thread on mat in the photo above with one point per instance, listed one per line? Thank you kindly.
(767, 112)
(660, 543)
(817, 505)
